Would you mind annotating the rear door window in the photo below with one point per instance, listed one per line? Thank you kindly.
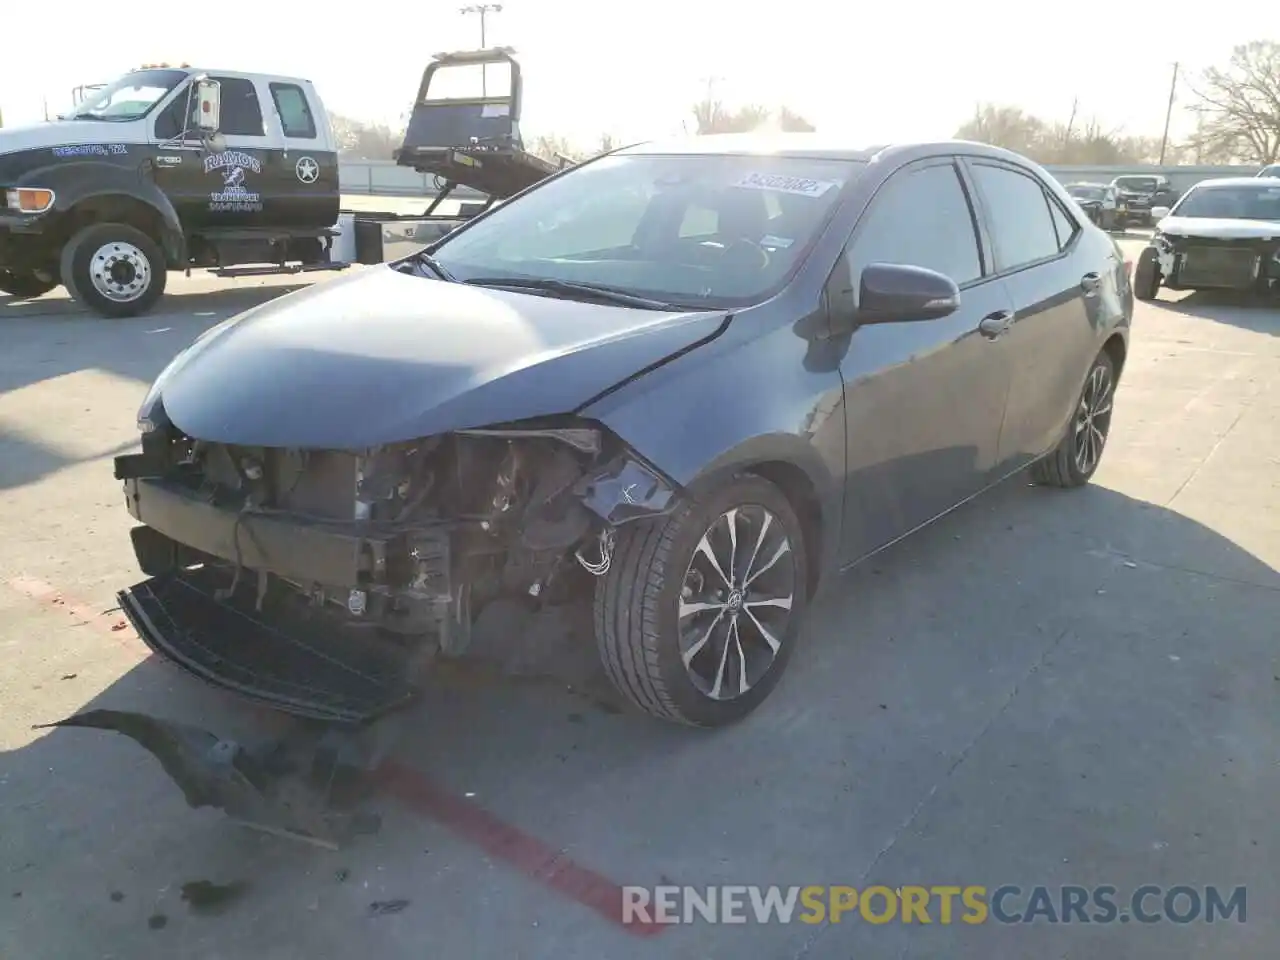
(294, 110)
(1021, 222)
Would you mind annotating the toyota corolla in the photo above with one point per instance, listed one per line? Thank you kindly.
(683, 383)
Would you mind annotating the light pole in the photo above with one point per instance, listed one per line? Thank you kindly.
(482, 9)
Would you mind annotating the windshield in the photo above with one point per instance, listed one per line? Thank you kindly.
(707, 231)
(1271, 171)
(1087, 193)
(1138, 184)
(1232, 203)
(130, 97)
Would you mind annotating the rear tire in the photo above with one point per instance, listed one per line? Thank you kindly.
(1075, 459)
(24, 285)
(675, 638)
(1146, 275)
(114, 269)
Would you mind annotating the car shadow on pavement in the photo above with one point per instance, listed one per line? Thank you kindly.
(1249, 312)
(909, 661)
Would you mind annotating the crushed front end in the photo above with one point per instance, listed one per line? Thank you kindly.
(1248, 264)
(324, 582)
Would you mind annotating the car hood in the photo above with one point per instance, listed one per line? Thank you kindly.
(1219, 228)
(65, 133)
(381, 356)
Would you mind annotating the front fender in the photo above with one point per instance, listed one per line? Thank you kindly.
(82, 180)
(743, 400)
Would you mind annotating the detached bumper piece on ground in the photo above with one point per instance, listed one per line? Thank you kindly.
(266, 787)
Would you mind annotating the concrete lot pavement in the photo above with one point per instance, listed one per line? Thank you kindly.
(1043, 688)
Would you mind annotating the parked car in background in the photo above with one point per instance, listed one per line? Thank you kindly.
(1139, 193)
(1223, 234)
(1100, 202)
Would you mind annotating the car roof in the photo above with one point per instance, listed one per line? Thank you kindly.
(813, 146)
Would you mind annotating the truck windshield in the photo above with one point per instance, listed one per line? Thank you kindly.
(1231, 203)
(697, 230)
(130, 97)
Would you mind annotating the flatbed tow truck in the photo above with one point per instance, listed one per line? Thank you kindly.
(309, 783)
(174, 169)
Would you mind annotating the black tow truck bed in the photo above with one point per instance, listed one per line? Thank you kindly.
(469, 142)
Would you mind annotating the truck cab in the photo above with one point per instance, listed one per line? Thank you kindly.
(167, 168)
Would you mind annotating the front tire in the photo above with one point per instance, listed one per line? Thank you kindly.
(699, 611)
(114, 269)
(25, 285)
(1075, 459)
(1146, 275)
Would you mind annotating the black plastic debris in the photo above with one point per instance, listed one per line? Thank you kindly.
(203, 896)
(382, 907)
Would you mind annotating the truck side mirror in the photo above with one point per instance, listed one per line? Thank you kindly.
(208, 106)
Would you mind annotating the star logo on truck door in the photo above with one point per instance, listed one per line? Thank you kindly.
(308, 170)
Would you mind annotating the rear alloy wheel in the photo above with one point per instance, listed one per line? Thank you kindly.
(698, 614)
(1075, 460)
(25, 285)
(114, 269)
(1146, 275)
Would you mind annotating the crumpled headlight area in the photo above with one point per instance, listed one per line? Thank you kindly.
(1161, 242)
(616, 484)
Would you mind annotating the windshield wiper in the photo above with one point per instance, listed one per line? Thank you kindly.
(572, 289)
(431, 263)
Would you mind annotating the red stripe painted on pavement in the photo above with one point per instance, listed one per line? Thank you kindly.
(113, 621)
(499, 839)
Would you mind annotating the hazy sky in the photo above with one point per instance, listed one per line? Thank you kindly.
(875, 72)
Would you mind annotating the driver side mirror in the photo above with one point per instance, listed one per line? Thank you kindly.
(208, 112)
(1159, 213)
(901, 293)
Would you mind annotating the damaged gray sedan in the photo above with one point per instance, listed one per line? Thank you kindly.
(679, 383)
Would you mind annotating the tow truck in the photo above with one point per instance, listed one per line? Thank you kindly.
(177, 168)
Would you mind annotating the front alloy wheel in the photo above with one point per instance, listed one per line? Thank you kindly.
(735, 602)
(698, 614)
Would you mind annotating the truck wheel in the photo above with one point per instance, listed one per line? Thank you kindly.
(24, 285)
(114, 269)
(1146, 275)
(699, 611)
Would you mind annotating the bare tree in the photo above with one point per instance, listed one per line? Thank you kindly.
(1006, 126)
(1083, 142)
(792, 122)
(711, 115)
(1239, 107)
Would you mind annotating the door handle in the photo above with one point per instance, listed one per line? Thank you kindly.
(996, 325)
(1090, 283)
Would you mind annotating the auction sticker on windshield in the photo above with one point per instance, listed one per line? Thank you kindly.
(802, 186)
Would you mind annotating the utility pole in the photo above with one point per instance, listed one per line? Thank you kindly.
(1168, 113)
(482, 9)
